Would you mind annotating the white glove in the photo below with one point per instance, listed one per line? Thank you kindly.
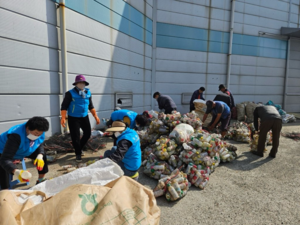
(23, 175)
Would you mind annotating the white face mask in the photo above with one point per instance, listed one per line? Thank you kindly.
(32, 137)
(117, 134)
(81, 86)
(137, 126)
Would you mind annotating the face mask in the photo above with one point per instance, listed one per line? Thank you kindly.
(80, 86)
(137, 126)
(32, 137)
(117, 134)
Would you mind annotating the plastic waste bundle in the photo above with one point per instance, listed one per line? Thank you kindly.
(164, 147)
(239, 132)
(173, 187)
(182, 133)
(288, 118)
(155, 168)
(158, 127)
(198, 177)
(146, 138)
(254, 142)
(172, 120)
(191, 119)
(153, 113)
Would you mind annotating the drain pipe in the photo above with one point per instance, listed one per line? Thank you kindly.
(287, 65)
(230, 43)
(63, 46)
(153, 74)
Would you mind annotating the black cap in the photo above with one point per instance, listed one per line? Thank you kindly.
(221, 86)
(209, 105)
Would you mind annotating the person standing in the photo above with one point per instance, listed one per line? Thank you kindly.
(226, 91)
(221, 113)
(127, 152)
(165, 102)
(77, 102)
(20, 141)
(270, 119)
(198, 94)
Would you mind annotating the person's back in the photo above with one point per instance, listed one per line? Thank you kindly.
(266, 112)
(125, 115)
(223, 98)
(166, 102)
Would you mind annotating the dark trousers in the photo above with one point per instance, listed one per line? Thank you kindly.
(75, 123)
(275, 125)
(127, 172)
(4, 175)
(169, 110)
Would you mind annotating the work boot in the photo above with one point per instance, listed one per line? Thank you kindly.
(257, 153)
(78, 158)
(272, 156)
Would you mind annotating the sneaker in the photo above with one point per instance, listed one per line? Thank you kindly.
(78, 158)
(38, 182)
(82, 153)
(257, 153)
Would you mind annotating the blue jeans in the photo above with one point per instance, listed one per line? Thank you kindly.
(127, 172)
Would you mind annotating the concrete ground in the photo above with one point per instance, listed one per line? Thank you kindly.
(250, 190)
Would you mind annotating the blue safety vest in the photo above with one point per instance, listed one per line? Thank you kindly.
(120, 114)
(27, 147)
(79, 106)
(133, 157)
(225, 112)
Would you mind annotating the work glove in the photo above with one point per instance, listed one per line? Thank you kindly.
(23, 175)
(93, 111)
(63, 117)
(39, 162)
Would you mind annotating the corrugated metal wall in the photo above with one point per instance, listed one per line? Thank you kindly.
(193, 53)
(110, 42)
(29, 62)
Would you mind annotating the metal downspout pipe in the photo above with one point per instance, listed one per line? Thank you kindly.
(287, 66)
(230, 43)
(63, 46)
(153, 72)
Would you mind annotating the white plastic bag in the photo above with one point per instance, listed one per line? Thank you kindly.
(99, 173)
(182, 132)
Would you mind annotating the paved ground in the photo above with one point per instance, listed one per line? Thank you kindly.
(250, 190)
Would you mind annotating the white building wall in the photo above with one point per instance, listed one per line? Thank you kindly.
(29, 63)
(255, 77)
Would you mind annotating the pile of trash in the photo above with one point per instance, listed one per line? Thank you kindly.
(187, 156)
(245, 112)
(69, 168)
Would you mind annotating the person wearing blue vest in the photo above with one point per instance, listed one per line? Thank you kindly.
(133, 119)
(127, 153)
(20, 141)
(77, 102)
(221, 113)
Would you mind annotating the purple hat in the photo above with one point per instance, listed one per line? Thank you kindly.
(80, 78)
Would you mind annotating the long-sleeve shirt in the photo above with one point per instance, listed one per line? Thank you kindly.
(68, 99)
(166, 102)
(228, 92)
(10, 149)
(224, 98)
(265, 112)
(196, 95)
(122, 148)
